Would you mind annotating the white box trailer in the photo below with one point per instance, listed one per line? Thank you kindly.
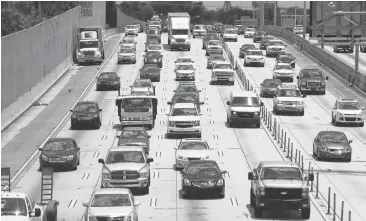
(179, 34)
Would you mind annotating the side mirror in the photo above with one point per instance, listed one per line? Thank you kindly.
(199, 90)
(174, 90)
(85, 204)
(362, 108)
(100, 160)
(71, 110)
(311, 177)
(202, 103)
(304, 95)
(228, 102)
(100, 109)
(148, 136)
(37, 212)
(182, 172)
(350, 141)
(137, 203)
(201, 114)
(118, 136)
(250, 176)
(326, 78)
(169, 103)
(223, 171)
(150, 160)
(40, 149)
(261, 104)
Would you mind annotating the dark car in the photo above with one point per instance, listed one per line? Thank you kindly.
(86, 113)
(108, 80)
(186, 97)
(187, 87)
(141, 28)
(269, 86)
(213, 59)
(332, 145)
(135, 136)
(60, 152)
(240, 28)
(310, 79)
(286, 58)
(258, 36)
(153, 57)
(203, 176)
(207, 38)
(264, 42)
(244, 48)
(150, 71)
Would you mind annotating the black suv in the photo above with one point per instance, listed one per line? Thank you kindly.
(244, 48)
(311, 79)
(258, 36)
(286, 58)
(153, 57)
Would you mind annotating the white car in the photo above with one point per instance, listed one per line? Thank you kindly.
(288, 98)
(184, 119)
(298, 30)
(230, 34)
(191, 149)
(214, 47)
(154, 47)
(275, 47)
(132, 30)
(185, 71)
(348, 111)
(284, 72)
(128, 42)
(112, 204)
(249, 32)
(184, 60)
(126, 55)
(222, 71)
(254, 57)
(199, 30)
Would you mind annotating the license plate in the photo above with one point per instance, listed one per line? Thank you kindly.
(53, 160)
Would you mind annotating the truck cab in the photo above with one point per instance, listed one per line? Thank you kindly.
(90, 45)
(179, 31)
(16, 206)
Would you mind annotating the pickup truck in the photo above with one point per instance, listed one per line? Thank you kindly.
(344, 46)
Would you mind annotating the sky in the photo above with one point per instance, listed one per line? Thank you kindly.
(211, 5)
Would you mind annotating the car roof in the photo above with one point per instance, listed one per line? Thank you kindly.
(347, 100)
(193, 140)
(186, 93)
(55, 139)
(126, 147)
(133, 128)
(184, 105)
(223, 62)
(279, 164)
(244, 94)
(86, 102)
(112, 191)
(285, 64)
(331, 132)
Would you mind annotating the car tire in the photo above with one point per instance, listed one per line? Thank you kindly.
(258, 212)
(73, 126)
(333, 120)
(146, 190)
(305, 213)
(149, 127)
(274, 110)
(189, 49)
(323, 92)
(78, 161)
(206, 54)
(349, 159)
(263, 66)
(134, 62)
(258, 125)
(318, 157)
(194, 36)
(229, 122)
(336, 123)
(362, 124)
(302, 113)
(245, 64)
(252, 197)
(97, 88)
(199, 135)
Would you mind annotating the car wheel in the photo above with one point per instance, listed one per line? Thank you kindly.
(318, 156)
(252, 197)
(222, 194)
(302, 113)
(149, 127)
(199, 135)
(258, 125)
(75, 167)
(79, 161)
(263, 66)
(362, 124)
(274, 110)
(229, 122)
(73, 126)
(258, 212)
(333, 120)
(349, 159)
(336, 122)
(146, 190)
(97, 88)
(305, 213)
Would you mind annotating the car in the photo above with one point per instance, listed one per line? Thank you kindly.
(17, 204)
(132, 30)
(129, 41)
(62, 152)
(152, 30)
(284, 72)
(157, 48)
(152, 40)
(86, 113)
(264, 42)
(222, 72)
(187, 87)
(311, 79)
(344, 46)
(258, 36)
(363, 47)
(150, 71)
(279, 185)
(332, 145)
(207, 38)
(298, 30)
(153, 57)
(128, 47)
(243, 108)
(117, 203)
(218, 27)
(249, 32)
(135, 136)
(184, 119)
(184, 71)
(126, 56)
(108, 80)
(186, 97)
(213, 58)
(254, 57)
(230, 34)
(348, 111)
(240, 29)
(140, 27)
(288, 98)
(143, 85)
(286, 58)
(184, 60)
(199, 30)
(269, 87)
(203, 176)
(191, 149)
(244, 48)
(214, 47)
(275, 47)
(126, 167)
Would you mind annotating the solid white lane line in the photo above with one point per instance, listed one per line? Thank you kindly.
(72, 203)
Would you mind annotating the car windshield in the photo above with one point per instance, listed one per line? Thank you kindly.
(210, 36)
(185, 99)
(134, 134)
(283, 67)
(88, 44)
(150, 68)
(255, 53)
(222, 66)
(125, 157)
(250, 29)
(276, 43)
(151, 54)
(198, 27)
(230, 32)
(126, 51)
(349, 106)
(204, 169)
(186, 89)
(281, 173)
(184, 112)
(215, 42)
(111, 200)
(185, 67)
(131, 26)
(13, 206)
(86, 108)
(124, 47)
(184, 60)
(193, 146)
(142, 84)
(289, 93)
(334, 138)
(108, 75)
(180, 31)
(136, 103)
(285, 58)
(272, 83)
(66, 145)
(247, 47)
(312, 74)
(154, 47)
(127, 41)
(245, 102)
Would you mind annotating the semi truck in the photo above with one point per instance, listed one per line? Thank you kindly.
(90, 45)
(179, 34)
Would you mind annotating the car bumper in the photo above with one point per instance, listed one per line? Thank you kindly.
(92, 121)
(136, 122)
(126, 59)
(153, 62)
(66, 164)
(185, 77)
(312, 88)
(183, 131)
(222, 79)
(90, 59)
(230, 38)
(284, 77)
(335, 154)
(119, 183)
(252, 120)
(282, 204)
(255, 62)
(217, 51)
(350, 120)
(290, 108)
(204, 190)
(180, 45)
(131, 33)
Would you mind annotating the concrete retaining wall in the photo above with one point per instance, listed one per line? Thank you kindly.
(339, 67)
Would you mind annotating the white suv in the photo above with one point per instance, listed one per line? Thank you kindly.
(222, 72)
(132, 30)
(254, 57)
(184, 119)
(348, 111)
(230, 34)
(191, 149)
(199, 30)
(288, 98)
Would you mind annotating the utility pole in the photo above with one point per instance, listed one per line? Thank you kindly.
(275, 14)
(305, 21)
(295, 15)
(261, 13)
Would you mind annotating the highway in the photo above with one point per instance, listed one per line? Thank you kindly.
(348, 178)
(236, 150)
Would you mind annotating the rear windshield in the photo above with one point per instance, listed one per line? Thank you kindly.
(245, 102)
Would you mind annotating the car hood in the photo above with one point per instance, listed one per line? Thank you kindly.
(126, 54)
(285, 60)
(275, 46)
(245, 109)
(202, 177)
(111, 211)
(184, 118)
(291, 184)
(140, 89)
(185, 71)
(227, 34)
(337, 146)
(141, 142)
(255, 56)
(223, 70)
(193, 153)
(249, 32)
(126, 166)
(214, 46)
(349, 111)
(284, 71)
(290, 98)
(15, 218)
(57, 153)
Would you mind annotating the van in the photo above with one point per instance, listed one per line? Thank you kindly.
(244, 108)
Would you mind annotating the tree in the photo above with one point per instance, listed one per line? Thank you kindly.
(111, 14)
(227, 6)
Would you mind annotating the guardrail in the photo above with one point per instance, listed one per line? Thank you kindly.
(287, 146)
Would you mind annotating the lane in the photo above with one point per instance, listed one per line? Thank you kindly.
(236, 150)
(302, 130)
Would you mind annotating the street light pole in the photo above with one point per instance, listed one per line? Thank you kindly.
(275, 14)
(305, 22)
(295, 16)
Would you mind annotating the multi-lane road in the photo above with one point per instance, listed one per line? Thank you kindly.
(236, 150)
